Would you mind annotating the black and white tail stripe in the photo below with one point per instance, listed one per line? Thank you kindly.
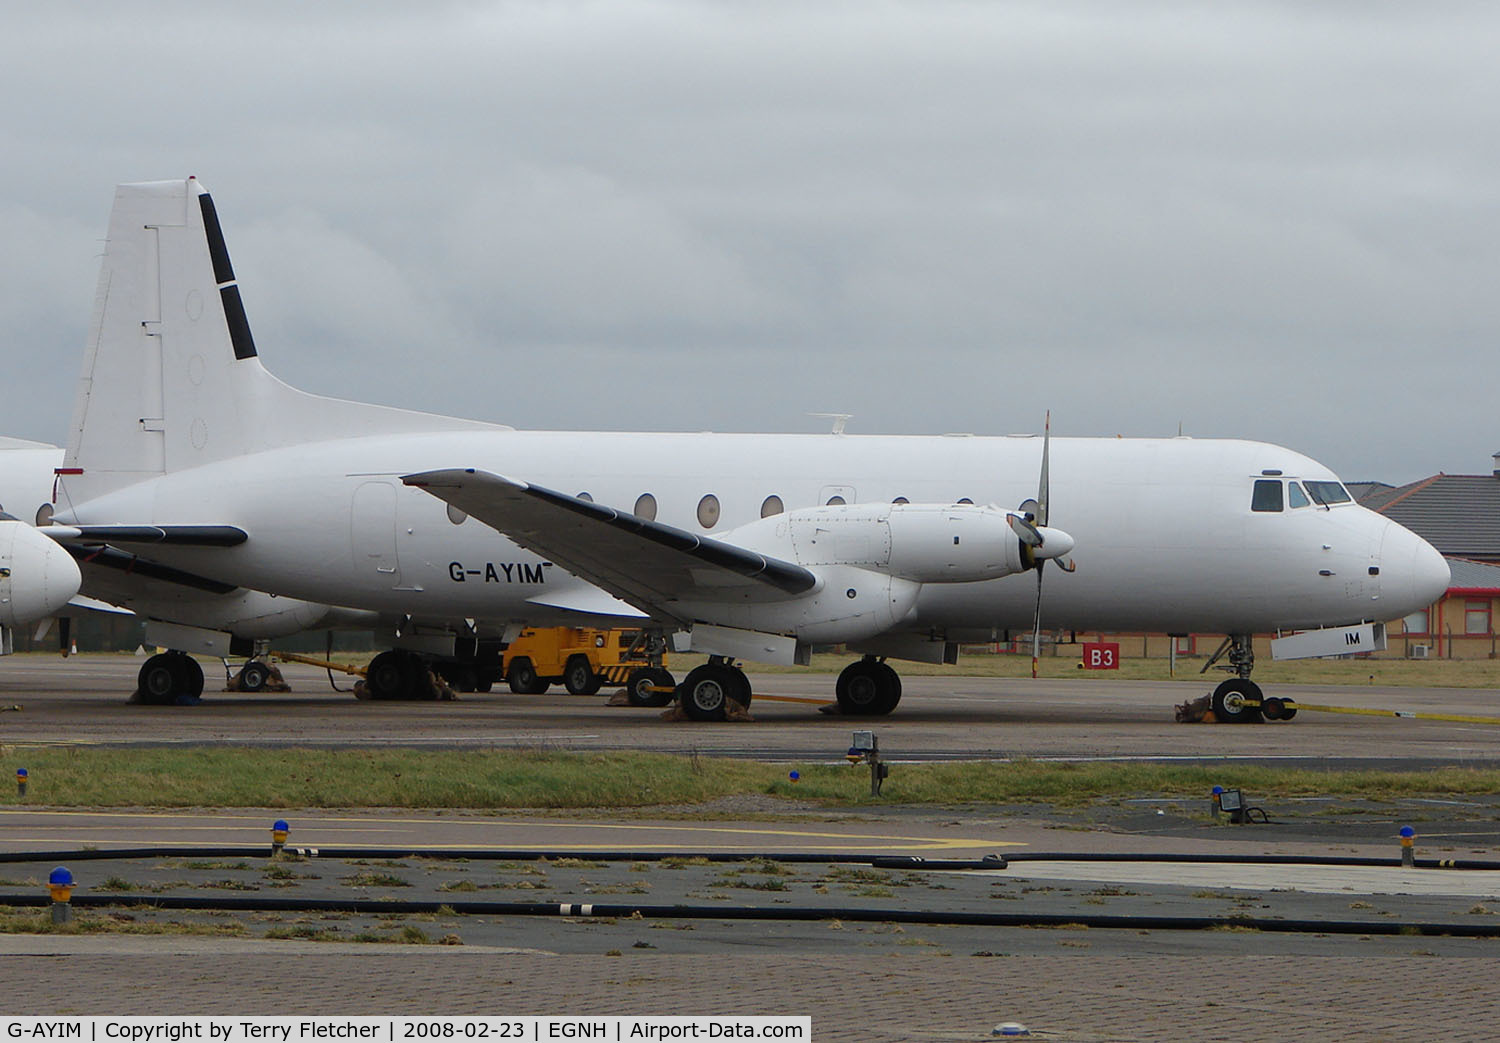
(229, 290)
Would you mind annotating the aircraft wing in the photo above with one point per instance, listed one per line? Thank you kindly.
(650, 565)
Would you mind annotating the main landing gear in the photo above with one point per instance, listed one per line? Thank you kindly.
(169, 676)
(707, 690)
(399, 674)
(868, 688)
(1239, 700)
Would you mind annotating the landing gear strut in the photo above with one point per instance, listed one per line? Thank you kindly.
(707, 690)
(868, 688)
(646, 685)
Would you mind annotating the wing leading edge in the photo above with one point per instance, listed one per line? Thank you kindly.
(650, 565)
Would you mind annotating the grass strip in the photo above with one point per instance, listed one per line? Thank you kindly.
(510, 779)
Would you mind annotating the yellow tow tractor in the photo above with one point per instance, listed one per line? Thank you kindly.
(584, 660)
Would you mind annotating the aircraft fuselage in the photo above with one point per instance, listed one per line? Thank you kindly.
(1166, 537)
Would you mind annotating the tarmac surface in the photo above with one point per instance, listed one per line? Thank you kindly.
(780, 931)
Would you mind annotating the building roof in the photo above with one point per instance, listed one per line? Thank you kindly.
(1459, 514)
(1363, 490)
(1473, 576)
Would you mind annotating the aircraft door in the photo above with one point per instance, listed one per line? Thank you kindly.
(372, 530)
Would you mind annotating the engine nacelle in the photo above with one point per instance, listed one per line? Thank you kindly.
(37, 577)
(923, 542)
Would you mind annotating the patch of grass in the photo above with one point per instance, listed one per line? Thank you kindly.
(202, 866)
(230, 885)
(90, 921)
(281, 777)
(306, 933)
(774, 883)
(376, 880)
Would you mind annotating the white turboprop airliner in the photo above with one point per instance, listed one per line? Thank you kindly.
(189, 461)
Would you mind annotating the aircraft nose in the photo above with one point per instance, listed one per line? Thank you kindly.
(1416, 575)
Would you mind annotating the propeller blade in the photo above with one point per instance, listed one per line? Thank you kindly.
(1043, 485)
(1025, 530)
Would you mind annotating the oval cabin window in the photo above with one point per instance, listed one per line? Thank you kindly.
(708, 511)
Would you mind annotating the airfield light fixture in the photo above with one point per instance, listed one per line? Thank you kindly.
(60, 886)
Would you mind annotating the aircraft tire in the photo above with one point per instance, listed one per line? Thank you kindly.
(742, 693)
(867, 688)
(157, 680)
(640, 682)
(254, 676)
(389, 676)
(706, 689)
(1230, 702)
(189, 675)
(893, 684)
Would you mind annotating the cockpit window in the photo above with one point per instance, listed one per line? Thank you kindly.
(1267, 496)
(1295, 497)
(1328, 493)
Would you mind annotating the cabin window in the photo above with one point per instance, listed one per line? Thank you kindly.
(1267, 496)
(966, 500)
(456, 516)
(772, 505)
(835, 501)
(586, 497)
(1328, 493)
(708, 511)
(645, 507)
(901, 499)
(1295, 496)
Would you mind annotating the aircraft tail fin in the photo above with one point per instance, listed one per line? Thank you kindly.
(172, 377)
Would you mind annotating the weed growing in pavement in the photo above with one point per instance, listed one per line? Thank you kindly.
(375, 880)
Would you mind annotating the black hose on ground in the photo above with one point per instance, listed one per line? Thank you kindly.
(803, 913)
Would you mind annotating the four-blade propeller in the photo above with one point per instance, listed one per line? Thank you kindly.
(1040, 543)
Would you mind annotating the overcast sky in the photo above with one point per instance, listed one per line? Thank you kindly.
(1265, 220)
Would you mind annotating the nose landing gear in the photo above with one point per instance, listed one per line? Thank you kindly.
(1239, 700)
